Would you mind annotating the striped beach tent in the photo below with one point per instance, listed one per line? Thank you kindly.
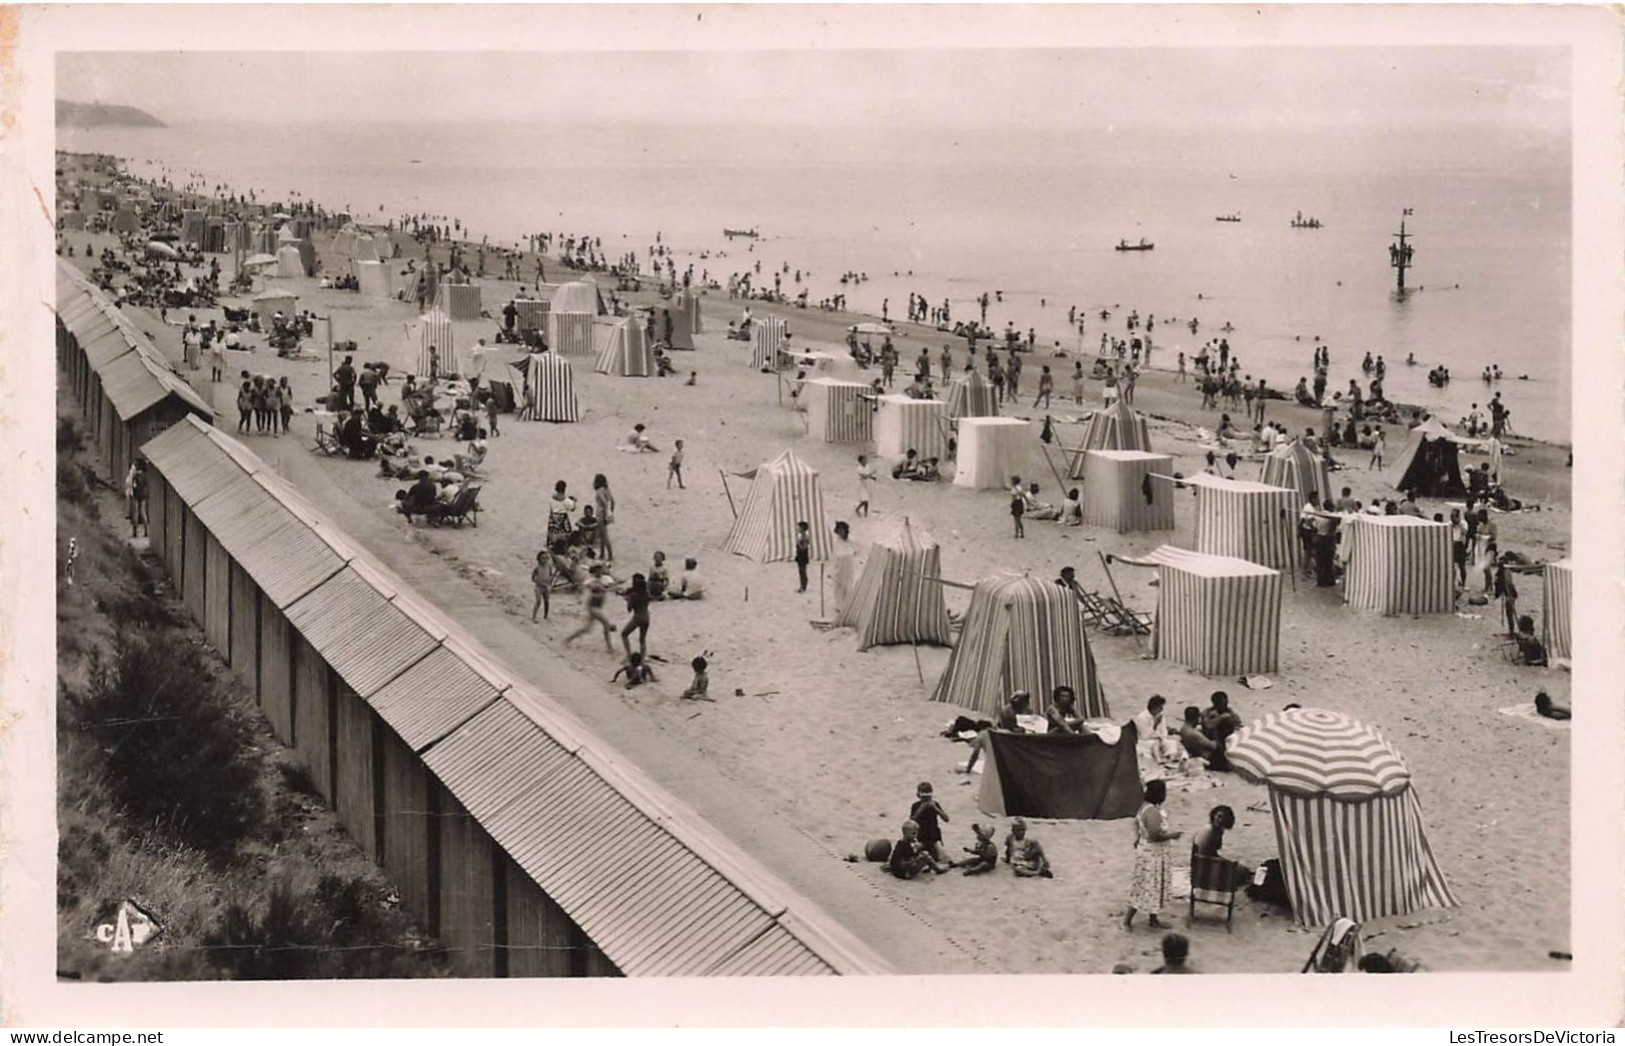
(435, 331)
(903, 424)
(1252, 521)
(991, 450)
(1398, 565)
(460, 301)
(1557, 621)
(1021, 633)
(1218, 614)
(570, 333)
(785, 492)
(1429, 463)
(895, 600)
(626, 353)
(768, 337)
(837, 411)
(1347, 820)
(532, 314)
(552, 385)
(971, 396)
(1296, 467)
(1120, 492)
(1115, 427)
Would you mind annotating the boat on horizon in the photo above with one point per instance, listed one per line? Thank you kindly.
(1300, 222)
(1143, 245)
(1228, 218)
(749, 234)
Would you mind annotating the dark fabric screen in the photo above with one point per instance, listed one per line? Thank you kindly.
(1066, 775)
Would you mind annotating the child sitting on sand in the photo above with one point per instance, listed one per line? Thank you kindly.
(984, 856)
(636, 671)
(909, 859)
(659, 577)
(697, 690)
(1024, 855)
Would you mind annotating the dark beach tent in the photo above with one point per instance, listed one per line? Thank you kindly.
(1077, 776)
(1428, 465)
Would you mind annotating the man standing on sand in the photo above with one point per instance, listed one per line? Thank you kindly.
(674, 468)
(345, 377)
(803, 552)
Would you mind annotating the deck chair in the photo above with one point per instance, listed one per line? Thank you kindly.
(465, 507)
(1338, 950)
(326, 442)
(1214, 882)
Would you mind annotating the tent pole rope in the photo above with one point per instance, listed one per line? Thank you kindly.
(1053, 471)
(1135, 632)
(917, 667)
(728, 492)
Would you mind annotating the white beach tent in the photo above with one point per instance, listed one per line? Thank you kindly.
(268, 303)
(1121, 491)
(785, 491)
(551, 383)
(837, 411)
(903, 423)
(897, 599)
(626, 353)
(373, 279)
(288, 262)
(570, 319)
(991, 450)
(1217, 614)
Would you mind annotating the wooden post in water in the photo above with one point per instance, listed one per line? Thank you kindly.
(1399, 254)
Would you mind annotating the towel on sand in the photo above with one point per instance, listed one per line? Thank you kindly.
(1527, 711)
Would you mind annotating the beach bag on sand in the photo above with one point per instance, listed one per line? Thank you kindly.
(1269, 884)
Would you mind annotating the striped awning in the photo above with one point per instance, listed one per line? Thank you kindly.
(1399, 565)
(1296, 467)
(784, 493)
(896, 600)
(552, 386)
(1250, 521)
(1557, 619)
(768, 335)
(903, 424)
(837, 411)
(1021, 633)
(971, 396)
(1218, 614)
(1121, 491)
(1313, 751)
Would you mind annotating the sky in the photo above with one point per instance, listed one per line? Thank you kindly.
(1525, 88)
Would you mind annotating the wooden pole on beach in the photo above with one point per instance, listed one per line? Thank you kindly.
(728, 492)
(1053, 470)
(820, 591)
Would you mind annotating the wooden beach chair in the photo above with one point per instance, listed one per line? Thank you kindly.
(465, 507)
(1338, 950)
(1213, 882)
(326, 442)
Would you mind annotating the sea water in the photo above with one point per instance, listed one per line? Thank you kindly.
(1029, 214)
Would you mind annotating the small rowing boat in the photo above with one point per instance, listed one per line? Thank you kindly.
(1143, 245)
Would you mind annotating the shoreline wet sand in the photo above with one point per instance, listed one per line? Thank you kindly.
(828, 743)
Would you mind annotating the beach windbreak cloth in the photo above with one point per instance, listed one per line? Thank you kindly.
(1076, 776)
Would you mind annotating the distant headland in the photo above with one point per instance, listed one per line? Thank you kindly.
(99, 114)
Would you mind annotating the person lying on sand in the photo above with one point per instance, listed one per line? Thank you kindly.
(984, 856)
(1545, 707)
(1024, 854)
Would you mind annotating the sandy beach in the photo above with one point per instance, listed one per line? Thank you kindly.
(829, 743)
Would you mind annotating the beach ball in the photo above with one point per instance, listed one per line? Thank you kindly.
(877, 849)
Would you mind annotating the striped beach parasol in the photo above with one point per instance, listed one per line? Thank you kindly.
(1347, 821)
(1312, 751)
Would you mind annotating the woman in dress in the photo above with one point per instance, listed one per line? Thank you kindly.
(846, 565)
(605, 503)
(1148, 890)
(866, 484)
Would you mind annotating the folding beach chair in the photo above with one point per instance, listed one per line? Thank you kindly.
(1214, 882)
(326, 442)
(1338, 950)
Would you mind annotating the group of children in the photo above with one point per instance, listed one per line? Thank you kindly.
(920, 849)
